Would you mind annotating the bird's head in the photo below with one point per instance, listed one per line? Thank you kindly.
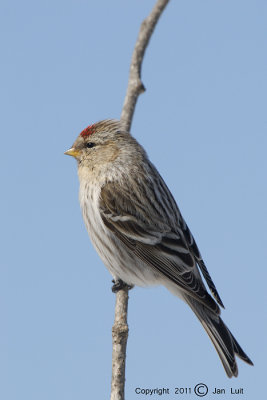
(104, 150)
(98, 144)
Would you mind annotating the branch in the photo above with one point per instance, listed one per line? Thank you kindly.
(119, 342)
(135, 85)
(135, 88)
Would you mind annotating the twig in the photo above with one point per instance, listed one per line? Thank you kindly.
(135, 85)
(119, 341)
(135, 88)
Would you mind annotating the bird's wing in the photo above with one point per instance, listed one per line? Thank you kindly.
(197, 256)
(152, 240)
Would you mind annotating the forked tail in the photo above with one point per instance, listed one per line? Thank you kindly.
(224, 342)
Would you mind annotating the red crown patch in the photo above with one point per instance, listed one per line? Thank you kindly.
(88, 131)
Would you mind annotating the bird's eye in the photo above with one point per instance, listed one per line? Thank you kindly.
(90, 144)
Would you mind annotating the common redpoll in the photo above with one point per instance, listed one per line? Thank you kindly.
(139, 232)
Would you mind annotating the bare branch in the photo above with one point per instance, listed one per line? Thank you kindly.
(135, 85)
(119, 342)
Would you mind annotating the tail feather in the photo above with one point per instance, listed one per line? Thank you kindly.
(224, 342)
(240, 352)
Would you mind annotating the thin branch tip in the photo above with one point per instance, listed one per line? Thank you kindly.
(147, 28)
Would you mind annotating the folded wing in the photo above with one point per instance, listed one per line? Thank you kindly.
(149, 236)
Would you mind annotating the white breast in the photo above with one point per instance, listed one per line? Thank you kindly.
(117, 258)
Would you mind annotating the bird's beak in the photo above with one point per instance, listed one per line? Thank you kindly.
(72, 152)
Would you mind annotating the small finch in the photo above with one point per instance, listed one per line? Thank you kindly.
(138, 231)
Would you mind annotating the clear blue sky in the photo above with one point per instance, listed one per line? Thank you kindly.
(64, 64)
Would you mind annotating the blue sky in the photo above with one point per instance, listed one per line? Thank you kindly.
(202, 120)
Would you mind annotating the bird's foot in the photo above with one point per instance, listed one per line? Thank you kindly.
(119, 284)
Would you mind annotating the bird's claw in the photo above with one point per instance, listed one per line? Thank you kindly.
(119, 285)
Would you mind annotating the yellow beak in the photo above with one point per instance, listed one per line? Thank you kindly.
(72, 152)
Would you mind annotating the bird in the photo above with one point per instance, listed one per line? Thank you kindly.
(139, 232)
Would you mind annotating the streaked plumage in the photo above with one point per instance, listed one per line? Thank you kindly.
(138, 230)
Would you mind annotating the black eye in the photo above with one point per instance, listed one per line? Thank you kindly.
(89, 145)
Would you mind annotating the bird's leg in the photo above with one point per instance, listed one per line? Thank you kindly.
(119, 284)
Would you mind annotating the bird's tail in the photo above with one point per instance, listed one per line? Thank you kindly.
(221, 337)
